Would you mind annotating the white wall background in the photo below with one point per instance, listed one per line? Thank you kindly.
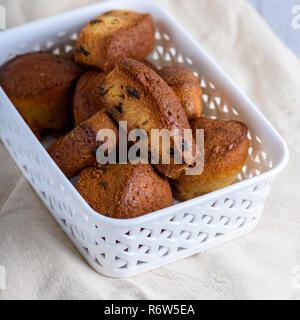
(278, 14)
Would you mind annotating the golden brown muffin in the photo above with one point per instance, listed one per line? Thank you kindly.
(112, 35)
(87, 100)
(41, 87)
(124, 190)
(187, 88)
(226, 149)
(76, 150)
(134, 93)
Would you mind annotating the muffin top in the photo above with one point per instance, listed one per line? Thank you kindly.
(34, 72)
(112, 35)
(178, 76)
(156, 89)
(124, 190)
(222, 138)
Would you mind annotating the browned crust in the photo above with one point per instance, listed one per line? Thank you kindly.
(41, 86)
(226, 149)
(146, 191)
(76, 150)
(165, 102)
(221, 138)
(132, 36)
(101, 186)
(149, 65)
(165, 106)
(187, 88)
(124, 190)
(34, 73)
(141, 36)
(87, 100)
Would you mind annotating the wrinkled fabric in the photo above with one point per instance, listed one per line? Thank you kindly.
(41, 263)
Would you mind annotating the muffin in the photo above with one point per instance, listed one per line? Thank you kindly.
(41, 86)
(124, 190)
(226, 149)
(149, 65)
(112, 35)
(76, 150)
(187, 88)
(87, 100)
(134, 93)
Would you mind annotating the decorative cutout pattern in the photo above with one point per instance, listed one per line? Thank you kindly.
(126, 248)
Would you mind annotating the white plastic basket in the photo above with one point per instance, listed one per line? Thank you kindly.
(122, 248)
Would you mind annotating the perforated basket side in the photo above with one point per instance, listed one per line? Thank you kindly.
(121, 250)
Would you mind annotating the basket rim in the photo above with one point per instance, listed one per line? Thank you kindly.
(282, 148)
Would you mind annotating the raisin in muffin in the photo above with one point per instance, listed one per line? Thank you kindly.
(134, 93)
(226, 149)
(187, 88)
(41, 86)
(112, 35)
(87, 100)
(76, 150)
(124, 190)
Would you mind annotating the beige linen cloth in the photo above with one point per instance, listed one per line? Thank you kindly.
(40, 261)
